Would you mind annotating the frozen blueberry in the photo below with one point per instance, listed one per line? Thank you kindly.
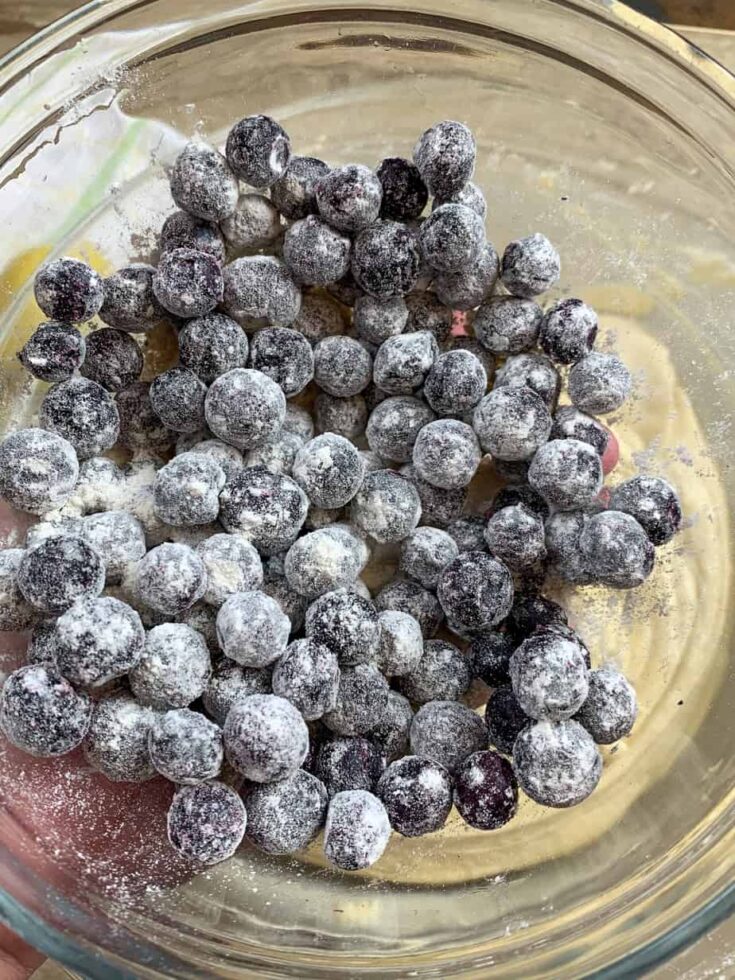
(438, 505)
(130, 303)
(83, 413)
(404, 192)
(567, 473)
(97, 640)
(563, 530)
(468, 532)
(451, 238)
(245, 408)
(515, 535)
(202, 184)
(140, 426)
(424, 553)
(320, 316)
(611, 708)
(520, 493)
(185, 747)
(475, 591)
(570, 423)
(417, 795)
(252, 629)
(344, 416)
(319, 517)
(489, 656)
(361, 700)
(41, 713)
(556, 763)
(512, 423)
(344, 764)
(456, 383)
(233, 565)
(346, 623)
(286, 816)
(228, 457)
(206, 823)
(53, 352)
(269, 509)
(387, 506)
(427, 313)
(653, 503)
(99, 480)
(446, 732)
(294, 192)
(442, 674)
(376, 319)
(486, 791)
(16, 613)
(505, 719)
(116, 743)
(401, 644)
(599, 383)
(277, 456)
(470, 195)
(391, 734)
(188, 283)
(59, 571)
(445, 157)
(446, 454)
(616, 550)
(266, 738)
(568, 331)
(276, 585)
(203, 619)
(532, 611)
(357, 830)
(258, 150)
(349, 197)
(402, 363)
(414, 600)
(38, 470)
(534, 371)
(113, 359)
(260, 288)
(229, 683)
(394, 425)
(315, 253)
(342, 366)
(174, 668)
(549, 676)
(324, 560)
(386, 260)
(329, 469)
(285, 356)
(170, 578)
(255, 223)
(470, 285)
(67, 290)
(307, 675)
(186, 490)
(507, 324)
(182, 230)
(530, 266)
(212, 345)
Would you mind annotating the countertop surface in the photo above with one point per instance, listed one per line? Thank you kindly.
(711, 25)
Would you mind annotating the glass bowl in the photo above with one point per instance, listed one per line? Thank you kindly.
(615, 138)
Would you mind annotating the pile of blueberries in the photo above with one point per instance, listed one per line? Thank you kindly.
(197, 611)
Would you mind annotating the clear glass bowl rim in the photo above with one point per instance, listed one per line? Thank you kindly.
(77, 956)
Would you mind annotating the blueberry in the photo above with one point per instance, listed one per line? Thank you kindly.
(386, 260)
(556, 763)
(255, 223)
(41, 713)
(174, 668)
(324, 560)
(269, 509)
(344, 764)
(329, 469)
(515, 535)
(438, 506)
(258, 150)
(140, 426)
(446, 732)
(475, 591)
(294, 192)
(357, 830)
(57, 526)
(349, 197)
(212, 345)
(177, 397)
(99, 480)
(534, 371)
(456, 383)
(69, 291)
(113, 359)
(376, 319)
(277, 456)
(286, 816)
(83, 413)
(402, 363)
(188, 283)
(394, 425)
(401, 644)
(16, 613)
(316, 254)
(285, 356)
(38, 470)
(567, 473)
(59, 571)
(260, 288)
(232, 564)
(486, 791)
(519, 493)
(611, 708)
(116, 743)
(342, 366)
(507, 324)
(53, 352)
(616, 550)
(308, 676)
(445, 157)
(568, 331)
(425, 552)
(505, 719)
(426, 312)
(185, 747)
(653, 503)
(252, 629)
(470, 195)
(570, 423)
(229, 683)
(530, 266)
(298, 421)
(563, 530)
(345, 623)
(186, 490)
(362, 697)
(245, 408)
(170, 578)
(391, 734)
(130, 303)
(549, 676)
(489, 656)
(203, 620)
(446, 454)
(417, 795)
(276, 585)
(320, 316)
(266, 738)
(451, 238)
(404, 192)
(344, 416)
(442, 674)
(512, 423)
(98, 640)
(531, 611)
(206, 823)
(468, 532)
(387, 506)
(470, 285)
(599, 383)
(182, 230)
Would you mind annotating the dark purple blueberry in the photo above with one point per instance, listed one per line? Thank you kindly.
(307, 675)
(16, 613)
(404, 596)
(470, 195)
(556, 763)
(315, 253)
(387, 506)
(570, 423)
(260, 288)
(426, 312)
(170, 578)
(468, 532)
(349, 763)
(417, 795)
(611, 708)
(534, 371)
(568, 331)
(507, 324)
(324, 560)
(344, 416)
(442, 674)
(212, 345)
(38, 470)
(118, 537)
(357, 830)
(486, 791)
(202, 184)
(68, 291)
(548, 672)
(268, 508)
(599, 383)
(386, 260)
(98, 640)
(456, 383)
(653, 503)
(265, 738)
(567, 473)
(402, 363)
(140, 426)
(42, 644)
(286, 816)
(254, 224)
(182, 230)
(361, 701)
(258, 150)
(349, 197)
(186, 490)
(563, 530)
(174, 669)
(505, 719)
(451, 238)
(342, 366)
(116, 743)
(83, 413)
(59, 571)
(475, 591)
(188, 283)
(53, 352)
(512, 423)
(515, 535)
(345, 623)
(424, 553)
(41, 713)
(404, 192)
(252, 629)
(244, 408)
(233, 565)
(530, 266)
(113, 359)
(130, 303)
(531, 611)
(470, 285)
(376, 319)
(177, 397)
(329, 469)
(284, 356)
(391, 735)
(401, 644)
(185, 747)
(616, 550)
(489, 656)
(230, 682)
(447, 732)
(206, 822)
(445, 157)
(394, 424)
(294, 193)
(446, 454)
(439, 506)
(520, 494)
